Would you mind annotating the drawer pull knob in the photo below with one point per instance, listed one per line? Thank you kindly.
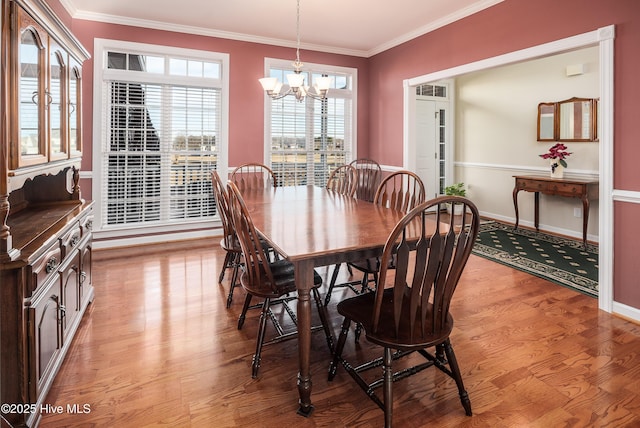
(62, 311)
(52, 263)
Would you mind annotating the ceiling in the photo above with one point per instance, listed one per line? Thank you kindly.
(352, 27)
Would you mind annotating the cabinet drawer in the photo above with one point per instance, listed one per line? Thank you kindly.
(532, 185)
(70, 240)
(43, 268)
(86, 225)
(565, 189)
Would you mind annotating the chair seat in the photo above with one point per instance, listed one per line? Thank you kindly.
(234, 247)
(370, 265)
(283, 275)
(235, 244)
(360, 309)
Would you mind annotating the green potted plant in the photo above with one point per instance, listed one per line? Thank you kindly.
(457, 189)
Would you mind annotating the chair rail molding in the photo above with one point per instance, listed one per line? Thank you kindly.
(626, 196)
(573, 173)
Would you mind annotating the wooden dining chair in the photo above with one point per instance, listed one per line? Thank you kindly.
(229, 242)
(343, 180)
(369, 177)
(409, 311)
(402, 191)
(253, 176)
(270, 280)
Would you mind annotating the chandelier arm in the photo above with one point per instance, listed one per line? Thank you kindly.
(316, 96)
(279, 96)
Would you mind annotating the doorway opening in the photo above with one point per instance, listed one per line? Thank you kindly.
(433, 136)
(603, 39)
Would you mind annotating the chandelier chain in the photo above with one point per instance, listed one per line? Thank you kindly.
(298, 64)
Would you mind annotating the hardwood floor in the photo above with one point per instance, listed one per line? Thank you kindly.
(158, 347)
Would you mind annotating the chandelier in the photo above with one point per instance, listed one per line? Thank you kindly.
(297, 88)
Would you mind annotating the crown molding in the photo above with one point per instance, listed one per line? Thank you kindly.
(71, 9)
(209, 32)
(432, 26)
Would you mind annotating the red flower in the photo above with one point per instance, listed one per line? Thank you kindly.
(557, 151)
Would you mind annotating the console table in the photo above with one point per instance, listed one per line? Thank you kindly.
(585, 189)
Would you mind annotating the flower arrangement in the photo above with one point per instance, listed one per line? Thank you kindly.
(557, 151)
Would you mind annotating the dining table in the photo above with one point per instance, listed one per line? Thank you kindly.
(311, 226)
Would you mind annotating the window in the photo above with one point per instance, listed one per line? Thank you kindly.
(162, 114)
(427, 90)
(307, 140)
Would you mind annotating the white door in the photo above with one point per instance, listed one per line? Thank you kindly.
(432, 119)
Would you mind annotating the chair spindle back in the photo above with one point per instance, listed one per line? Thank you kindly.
(369, 176)
(222, 206)
(253, 176)
(428, 264)
(343, 180)
(257, 261)
(402, 190)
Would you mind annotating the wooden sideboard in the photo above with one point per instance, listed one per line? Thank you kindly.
(44, 294)
(45, 225)
(584, 189)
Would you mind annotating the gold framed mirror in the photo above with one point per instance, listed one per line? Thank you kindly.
(547, 122)
(575, 119)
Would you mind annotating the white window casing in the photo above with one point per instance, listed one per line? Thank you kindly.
(305, 141)
(160, 127)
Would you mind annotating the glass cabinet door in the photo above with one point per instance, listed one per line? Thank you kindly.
(45, 94)
(75, 140)
(30, 99)
(55, 104)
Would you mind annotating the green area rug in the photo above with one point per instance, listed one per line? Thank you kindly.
(563, 261)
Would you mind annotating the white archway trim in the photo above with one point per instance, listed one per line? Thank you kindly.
(602, 37)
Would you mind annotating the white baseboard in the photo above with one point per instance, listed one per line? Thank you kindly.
(627, 312)
(100, 244)
(544, 227)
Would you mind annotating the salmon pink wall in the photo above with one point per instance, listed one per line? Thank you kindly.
(506, 27)
(626, 254)
(60, 12)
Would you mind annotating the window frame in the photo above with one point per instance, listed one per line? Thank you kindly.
(101, 74)
(313, 68)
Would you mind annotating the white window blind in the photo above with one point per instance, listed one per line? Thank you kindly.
(162, 133)
(151, 178)
(308, 139)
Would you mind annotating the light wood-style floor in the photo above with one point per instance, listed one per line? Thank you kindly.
(158, 347)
